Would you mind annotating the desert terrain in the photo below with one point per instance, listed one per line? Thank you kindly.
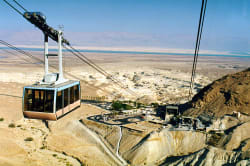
(76, 140)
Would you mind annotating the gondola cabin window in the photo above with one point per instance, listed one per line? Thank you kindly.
(59, 101)
(66, 97)
(39, 100)
(76, 92)
(72, 95)
(49, 101)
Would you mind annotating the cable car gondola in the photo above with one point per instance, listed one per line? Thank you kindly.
(54, 96)
(50, 102)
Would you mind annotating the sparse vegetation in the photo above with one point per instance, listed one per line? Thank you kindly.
(43, 147)
(12, 125)
(54, 155)
(68, 164)
(28, 139)
(19, 126)
(118, 105)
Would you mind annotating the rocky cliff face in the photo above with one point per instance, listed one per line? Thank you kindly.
(231, 148)
(227, 143)
(158, 145)
(223, 96)
(210, 156)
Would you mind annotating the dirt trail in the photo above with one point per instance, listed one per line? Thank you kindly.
(117, 158)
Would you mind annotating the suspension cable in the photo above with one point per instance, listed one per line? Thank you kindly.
(89, 60)
(197, 46)
(103, 71)
(201, 33)
(19, 50)
(26, 60)
(13, 7)
(100, 70)
(20, 5)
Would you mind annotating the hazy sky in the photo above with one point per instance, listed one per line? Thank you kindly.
(132, 23)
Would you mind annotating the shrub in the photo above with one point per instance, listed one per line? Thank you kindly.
(1, 119)
(28, 139)
(68, 164)
(43, 147)
(12, 125)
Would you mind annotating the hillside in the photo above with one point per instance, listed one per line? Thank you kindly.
(223, 96)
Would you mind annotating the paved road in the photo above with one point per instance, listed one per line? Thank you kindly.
(121, 121)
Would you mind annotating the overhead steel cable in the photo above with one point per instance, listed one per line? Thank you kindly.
(107, 75)
(13, 7)
(26, 60)
(19, 50)
(90, 61)
(20, 5)
(101, 71)
(197, 46)
(201, 29)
